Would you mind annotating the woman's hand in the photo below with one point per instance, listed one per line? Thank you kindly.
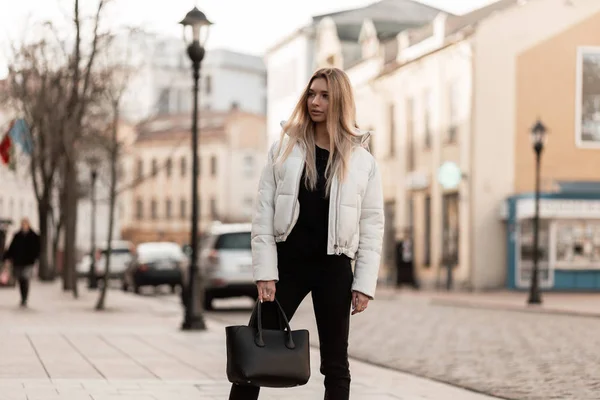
(266, 290)
(360, 302)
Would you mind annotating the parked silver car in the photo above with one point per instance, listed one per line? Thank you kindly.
(226, 263)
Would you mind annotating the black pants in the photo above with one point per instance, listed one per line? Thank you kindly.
(22, 274)
(329, 279)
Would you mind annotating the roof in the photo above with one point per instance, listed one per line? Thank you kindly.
(176, 126)
(454, 24)
(457, 22)
(389, 17)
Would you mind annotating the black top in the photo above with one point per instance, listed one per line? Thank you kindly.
(24, 249)
(308, 238)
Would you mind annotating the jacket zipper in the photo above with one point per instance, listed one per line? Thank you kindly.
(336, 245)
(294, 218)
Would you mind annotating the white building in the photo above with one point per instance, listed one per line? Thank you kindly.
(359, 41)
(292, 61)
(163, 79)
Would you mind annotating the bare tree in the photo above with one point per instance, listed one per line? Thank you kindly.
(118, 72)
(52, 82)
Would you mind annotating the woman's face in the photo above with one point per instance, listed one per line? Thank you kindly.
(318, 100)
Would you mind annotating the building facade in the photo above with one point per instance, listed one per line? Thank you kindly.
(466, 90)
(231, 155)
(162, 82)
(450, 101)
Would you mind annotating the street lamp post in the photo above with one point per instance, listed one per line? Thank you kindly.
(538, 134)
(196, 26)
(92, 277)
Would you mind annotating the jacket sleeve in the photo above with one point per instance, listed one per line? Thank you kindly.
(264, 250)
(8, 254)
(366, 269)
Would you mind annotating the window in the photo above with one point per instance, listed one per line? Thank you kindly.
(140, 169)
(427, 233)
(139, 209)
(525, 265)
(454, 98)
(410, 134)
(182, 208)
(168, 208)
(427, 104)
(450, 228)
(164, 101)
(248, 205)
(213, 166)
(183, 167)
(168, 167)
(208, 84)
(154, 167)
(248, 165)
(577, 244)
(153, 209)
(213, 208)
(233, 241)
(392, 125)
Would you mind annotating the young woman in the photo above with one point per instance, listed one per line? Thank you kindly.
(320, 206)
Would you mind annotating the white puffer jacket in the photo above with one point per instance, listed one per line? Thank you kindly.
(356, 217)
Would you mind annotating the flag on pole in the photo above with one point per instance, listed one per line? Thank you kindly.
(19, 133)
(7, 149)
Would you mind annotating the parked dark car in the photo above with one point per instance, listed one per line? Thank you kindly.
(155, 264)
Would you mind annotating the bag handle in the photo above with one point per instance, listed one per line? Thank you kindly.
(289, 343)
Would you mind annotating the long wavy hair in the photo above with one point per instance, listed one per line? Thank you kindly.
(341, 123)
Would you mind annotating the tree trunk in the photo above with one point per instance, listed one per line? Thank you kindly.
(70, 202)
(58, 229)
(114, 149)
(43, 264)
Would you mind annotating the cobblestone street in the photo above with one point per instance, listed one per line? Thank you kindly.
(516, 355)
(60, 349)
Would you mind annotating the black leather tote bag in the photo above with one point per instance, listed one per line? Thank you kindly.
(267, 358)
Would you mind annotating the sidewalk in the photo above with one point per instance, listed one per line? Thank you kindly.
(60, 349)
(576, 304)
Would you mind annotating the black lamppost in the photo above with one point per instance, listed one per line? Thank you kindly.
(93, 162)
(538, 133)
(195, 26)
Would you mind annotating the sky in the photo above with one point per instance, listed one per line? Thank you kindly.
(239, 25)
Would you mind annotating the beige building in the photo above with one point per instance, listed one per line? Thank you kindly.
(232, 151)
(465, 90)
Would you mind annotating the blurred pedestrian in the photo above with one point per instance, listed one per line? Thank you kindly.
(320, 206)
(405, 265)
(22, 254)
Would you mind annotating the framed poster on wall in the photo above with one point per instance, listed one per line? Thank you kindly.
(587, 101)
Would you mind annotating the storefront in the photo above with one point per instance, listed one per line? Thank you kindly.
(569, 241)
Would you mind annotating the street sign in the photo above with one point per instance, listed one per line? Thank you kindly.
(449, 175)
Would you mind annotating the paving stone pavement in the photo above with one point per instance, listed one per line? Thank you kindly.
(509, 354)
(60, 349)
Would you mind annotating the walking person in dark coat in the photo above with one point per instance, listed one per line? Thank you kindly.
(23, 253)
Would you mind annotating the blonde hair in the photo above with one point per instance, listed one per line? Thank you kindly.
(341, 122)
